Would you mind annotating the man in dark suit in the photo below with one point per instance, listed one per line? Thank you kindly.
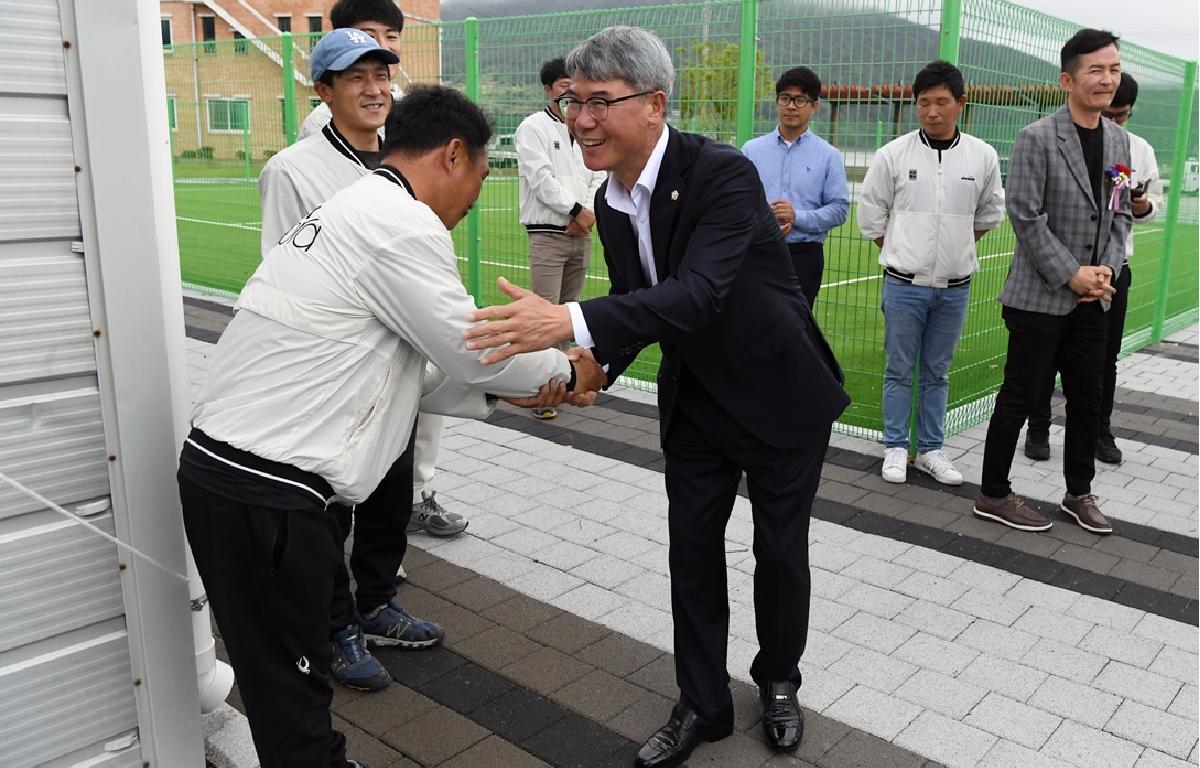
(747, 382)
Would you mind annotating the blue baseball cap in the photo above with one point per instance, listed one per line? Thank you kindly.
(341, 48)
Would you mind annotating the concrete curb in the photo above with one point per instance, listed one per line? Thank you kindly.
(227, 741)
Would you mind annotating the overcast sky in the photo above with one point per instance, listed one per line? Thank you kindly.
(1171, 26)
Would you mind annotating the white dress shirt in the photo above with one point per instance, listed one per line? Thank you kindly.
(634, 203)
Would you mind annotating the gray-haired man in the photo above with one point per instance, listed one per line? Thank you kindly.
(751, 388)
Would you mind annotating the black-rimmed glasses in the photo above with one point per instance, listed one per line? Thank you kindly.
(597, 107)
(801, 100)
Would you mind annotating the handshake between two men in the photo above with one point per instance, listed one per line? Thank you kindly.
(528, 324)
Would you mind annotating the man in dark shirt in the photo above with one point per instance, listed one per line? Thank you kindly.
(1070, 246)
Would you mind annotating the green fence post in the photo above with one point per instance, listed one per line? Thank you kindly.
(246, 149)
(289, 88)
(747, 57)
(950, 31)
(471, 44)
(878, 134)
(1183, 125)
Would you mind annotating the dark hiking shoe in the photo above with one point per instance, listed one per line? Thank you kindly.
(1106, 448)
(1037, 446)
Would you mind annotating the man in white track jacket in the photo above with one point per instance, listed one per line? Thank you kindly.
(311, 395)
(927, 197)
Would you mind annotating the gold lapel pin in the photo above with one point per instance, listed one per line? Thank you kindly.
(674, 194)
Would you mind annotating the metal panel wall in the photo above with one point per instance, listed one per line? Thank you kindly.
(65, 693)
(45, 558)
(52, 441)
(65, 663)
(37, 166)
(45, 330)
(31, 59)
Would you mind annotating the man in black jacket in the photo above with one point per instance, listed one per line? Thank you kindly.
(747, 382)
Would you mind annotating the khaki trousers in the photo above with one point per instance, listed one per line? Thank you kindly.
(557, 265)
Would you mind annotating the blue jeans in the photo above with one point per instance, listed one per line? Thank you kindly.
(920, 324)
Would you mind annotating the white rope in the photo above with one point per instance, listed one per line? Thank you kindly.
(94, 529)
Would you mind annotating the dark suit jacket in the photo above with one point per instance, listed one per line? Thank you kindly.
(727, 304)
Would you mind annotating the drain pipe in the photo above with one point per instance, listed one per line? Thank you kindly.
(213, 677)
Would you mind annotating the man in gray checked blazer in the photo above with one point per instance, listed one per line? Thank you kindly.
(1070, 246)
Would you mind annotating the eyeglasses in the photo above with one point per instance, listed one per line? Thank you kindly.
(801, 101)
(596, 106)
(1118, 114)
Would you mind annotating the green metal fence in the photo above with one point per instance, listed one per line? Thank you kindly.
(234, 103)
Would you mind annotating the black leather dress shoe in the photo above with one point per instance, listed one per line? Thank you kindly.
(672, 744)
(783, 722)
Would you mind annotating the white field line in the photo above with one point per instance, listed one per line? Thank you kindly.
(230, 224)
(851, 281)
(525, 268)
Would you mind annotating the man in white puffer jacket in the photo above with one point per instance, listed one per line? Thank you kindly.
(311, 396)
(927, 197)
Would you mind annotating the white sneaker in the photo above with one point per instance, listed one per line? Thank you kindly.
(895, 465)
(936, 465)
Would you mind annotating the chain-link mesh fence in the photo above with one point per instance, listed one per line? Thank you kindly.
(229, 105)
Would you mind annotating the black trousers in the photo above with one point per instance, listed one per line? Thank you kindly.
(706, 452)
(380, 541)
(808, 259)
(1038, 344)
(269, 575)
(1039, 420)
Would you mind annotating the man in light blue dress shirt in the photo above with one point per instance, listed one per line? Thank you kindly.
(803, 176)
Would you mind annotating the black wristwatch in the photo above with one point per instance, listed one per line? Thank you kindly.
(576, 209)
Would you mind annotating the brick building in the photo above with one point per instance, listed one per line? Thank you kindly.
(224, 69)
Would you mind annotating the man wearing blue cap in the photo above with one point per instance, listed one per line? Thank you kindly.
(350, 73)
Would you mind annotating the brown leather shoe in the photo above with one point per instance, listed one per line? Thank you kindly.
(1087, 513)
(1011, 511)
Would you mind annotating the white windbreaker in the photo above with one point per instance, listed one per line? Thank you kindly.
(927, 210)
(324, 365)
(301, 177)
(552, 178)
(1145, 171)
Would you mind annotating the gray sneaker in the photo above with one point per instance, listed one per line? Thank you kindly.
(434, 519)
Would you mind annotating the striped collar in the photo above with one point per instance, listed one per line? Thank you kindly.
(397, 178)
(342, 144)
(929, 142)
(553, 116)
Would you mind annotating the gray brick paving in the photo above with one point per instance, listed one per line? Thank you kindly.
(866, 708)
(950, 742)
(1149, 726)
(1137, 684)
(1091, 748)
(1012, 720)
(1010, 678)
(986, 643)
(1074, 701)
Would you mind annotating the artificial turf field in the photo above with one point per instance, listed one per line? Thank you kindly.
(218, 230)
